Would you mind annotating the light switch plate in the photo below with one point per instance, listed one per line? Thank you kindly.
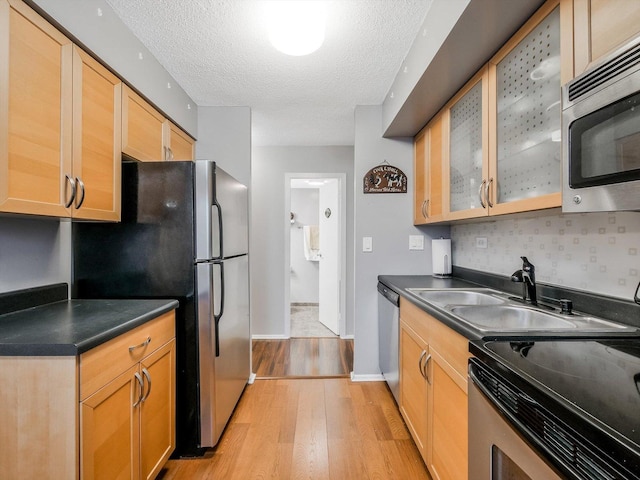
(416, 242)
(481, 242)
(367, 244)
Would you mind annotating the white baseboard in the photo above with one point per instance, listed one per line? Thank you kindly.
(367, 378)
(269, 337)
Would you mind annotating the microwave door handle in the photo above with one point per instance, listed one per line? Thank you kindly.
(218, 316)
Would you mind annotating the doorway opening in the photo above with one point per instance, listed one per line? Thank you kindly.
(315, 246)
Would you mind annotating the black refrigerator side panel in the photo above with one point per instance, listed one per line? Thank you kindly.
(151, 251)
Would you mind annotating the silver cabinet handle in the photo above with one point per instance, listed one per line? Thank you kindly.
(425, 208)
(145, 372)
(170, 153)
(79, 201)
(143, 344)
(71, 182)
(422, 355)
(141, 384)
(480, 192)
(486, 193)
(426, 363)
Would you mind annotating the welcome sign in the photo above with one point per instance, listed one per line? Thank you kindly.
(385, 178)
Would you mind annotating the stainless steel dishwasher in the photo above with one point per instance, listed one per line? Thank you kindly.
(388, 337)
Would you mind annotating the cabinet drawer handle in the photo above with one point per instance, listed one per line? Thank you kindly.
(141, 385)
(143, 344)
(480, 192)
(71, 182)
(146, 374)
(422, 355)
(80, 201)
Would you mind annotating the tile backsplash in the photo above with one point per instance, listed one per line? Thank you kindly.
(595, 252)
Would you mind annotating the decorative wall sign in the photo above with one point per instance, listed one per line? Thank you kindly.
(385, 179)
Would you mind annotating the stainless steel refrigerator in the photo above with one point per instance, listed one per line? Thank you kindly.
(183, 235)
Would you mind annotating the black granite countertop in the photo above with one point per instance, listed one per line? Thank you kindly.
(71, 327)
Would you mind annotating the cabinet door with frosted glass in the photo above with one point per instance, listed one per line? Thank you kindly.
(468, 172)
(525, 153)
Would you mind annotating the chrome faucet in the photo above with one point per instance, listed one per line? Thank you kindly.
(528, 278)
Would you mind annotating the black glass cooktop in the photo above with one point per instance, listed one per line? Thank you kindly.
(598, 379)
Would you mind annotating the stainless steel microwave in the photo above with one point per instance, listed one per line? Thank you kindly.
(601, 135)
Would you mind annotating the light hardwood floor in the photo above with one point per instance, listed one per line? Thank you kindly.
(325, 429)
(303, 357)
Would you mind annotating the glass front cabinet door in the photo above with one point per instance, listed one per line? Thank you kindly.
(525, 144)
(468, 172)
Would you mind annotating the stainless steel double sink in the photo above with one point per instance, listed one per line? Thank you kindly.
(486, 310)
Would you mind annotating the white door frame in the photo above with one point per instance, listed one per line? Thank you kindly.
(342, 189)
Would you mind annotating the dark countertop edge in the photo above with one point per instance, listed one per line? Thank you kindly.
(71, 350)
(475, 279)
(107, 335)
(32, 297)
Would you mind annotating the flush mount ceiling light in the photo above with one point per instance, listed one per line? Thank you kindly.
(296, 27)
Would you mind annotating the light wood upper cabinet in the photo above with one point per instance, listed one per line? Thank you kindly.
(147, 135)
(429, 161)
(500, 134)
(467, 175)
(59, 123)
(524, 117)
(35, 113)
(180, 146)
(433, 391)
(600, 26)
(142, 128)
(96, 139)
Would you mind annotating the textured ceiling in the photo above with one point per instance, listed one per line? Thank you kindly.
(218, 52)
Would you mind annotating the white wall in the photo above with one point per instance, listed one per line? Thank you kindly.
(224, 135)
(388, 219)
(304, 273)
(268, 168)
(34, 252)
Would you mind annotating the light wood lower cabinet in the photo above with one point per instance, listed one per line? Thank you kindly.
(107, 414)
(433, 391)
(128, 424)
(413, 387)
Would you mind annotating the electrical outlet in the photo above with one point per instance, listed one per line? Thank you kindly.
(481, 242)
(416, 242)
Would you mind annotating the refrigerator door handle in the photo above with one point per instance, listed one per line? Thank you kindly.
(217, 206)
(218, 316)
